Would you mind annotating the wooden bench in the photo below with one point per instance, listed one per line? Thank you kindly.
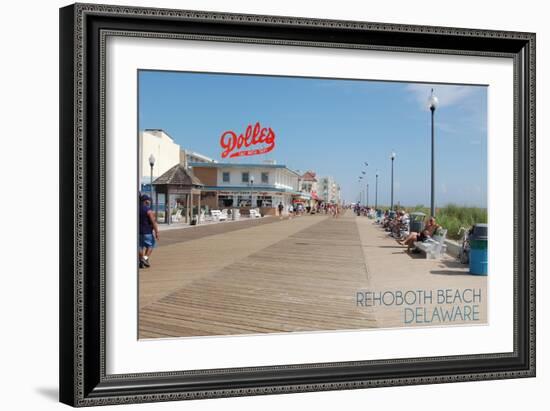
(433, 247)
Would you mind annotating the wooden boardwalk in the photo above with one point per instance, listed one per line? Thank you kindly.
(174, 236)
(193, 253)
(306, 281)
(274, 276)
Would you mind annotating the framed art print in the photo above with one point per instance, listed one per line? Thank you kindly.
(261, 204)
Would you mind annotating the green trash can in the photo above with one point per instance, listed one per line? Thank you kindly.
(478, 250)
(417, 221)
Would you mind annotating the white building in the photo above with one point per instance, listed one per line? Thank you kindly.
(167, 153)
(163, 148)
(329, 190)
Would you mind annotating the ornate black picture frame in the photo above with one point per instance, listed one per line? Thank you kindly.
(83, 30)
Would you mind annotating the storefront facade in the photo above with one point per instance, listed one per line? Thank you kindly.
(245, 186)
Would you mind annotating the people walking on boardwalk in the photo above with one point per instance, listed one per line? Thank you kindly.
(280, 207)
(429, 230)
(290, 210)
(148, 231)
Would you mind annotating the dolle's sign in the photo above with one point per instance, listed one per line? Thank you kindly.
(261, 138)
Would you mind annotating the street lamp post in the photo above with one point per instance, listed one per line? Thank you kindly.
(367, 188)
(360, 190)
(392, 159)
(152, 164)
(432, 104)
(251, 190)
(376, 192)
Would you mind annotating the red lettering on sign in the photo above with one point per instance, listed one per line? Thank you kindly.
(253, 136)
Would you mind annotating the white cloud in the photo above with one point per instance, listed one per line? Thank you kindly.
(446, 94)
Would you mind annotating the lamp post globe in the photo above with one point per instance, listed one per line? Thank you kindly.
(433, 101)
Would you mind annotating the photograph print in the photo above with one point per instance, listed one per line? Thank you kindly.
(281, 204)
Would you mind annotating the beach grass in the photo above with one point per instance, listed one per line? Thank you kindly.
(453, 216)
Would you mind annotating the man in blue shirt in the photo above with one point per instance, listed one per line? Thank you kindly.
(148, 231)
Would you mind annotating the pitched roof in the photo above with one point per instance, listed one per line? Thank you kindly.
(178, 175)
(309, 176)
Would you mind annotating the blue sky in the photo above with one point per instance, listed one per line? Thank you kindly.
(333, 127)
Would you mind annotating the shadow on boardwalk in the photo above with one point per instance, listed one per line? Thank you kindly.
(453, 268)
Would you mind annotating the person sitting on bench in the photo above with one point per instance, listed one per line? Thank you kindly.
(399, 224)
(429, 230)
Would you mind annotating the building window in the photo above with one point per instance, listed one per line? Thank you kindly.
(225, 201)
(245, 177)
(265, 178)
(225, 177)
(244, 201)
(264, 201)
